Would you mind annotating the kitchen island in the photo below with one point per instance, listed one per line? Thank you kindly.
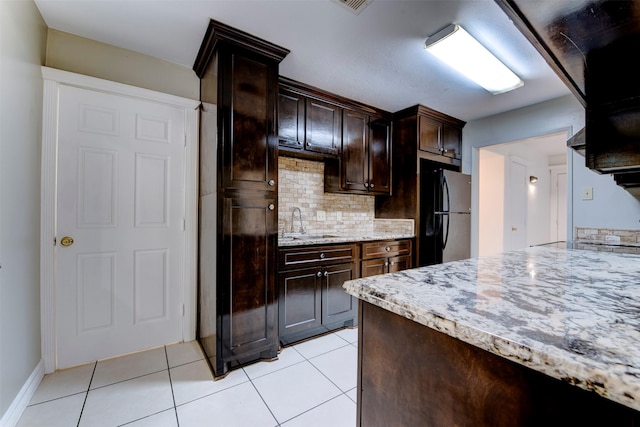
(541, 336)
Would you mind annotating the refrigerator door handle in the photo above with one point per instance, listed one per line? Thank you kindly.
(446, 211)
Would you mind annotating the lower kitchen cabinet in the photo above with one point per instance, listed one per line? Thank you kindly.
(311, 297)
(385, 257)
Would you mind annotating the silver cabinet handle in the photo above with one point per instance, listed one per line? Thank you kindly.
(393, 263)
(271, 206)
(386, 264)
(326, 273)
(366, 185)
(322, 255)
(319, 274)
(271, 183)
(371, 185)
(387, 249)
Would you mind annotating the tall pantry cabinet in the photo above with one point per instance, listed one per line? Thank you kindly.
(238, 313)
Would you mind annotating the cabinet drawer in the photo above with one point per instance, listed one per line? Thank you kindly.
(316, 255)
(386, 249)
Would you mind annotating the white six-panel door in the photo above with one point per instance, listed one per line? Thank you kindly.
(120, 197)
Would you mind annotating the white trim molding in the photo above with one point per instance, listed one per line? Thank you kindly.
(53, 80)
(19, 404)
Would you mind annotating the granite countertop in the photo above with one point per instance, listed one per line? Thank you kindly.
(323, 239)
(571, 314)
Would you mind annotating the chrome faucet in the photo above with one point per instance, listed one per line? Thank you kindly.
(293, 214)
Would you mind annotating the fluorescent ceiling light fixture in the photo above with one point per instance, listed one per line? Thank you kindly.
(454, 46)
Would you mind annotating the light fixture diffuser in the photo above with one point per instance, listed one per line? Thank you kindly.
(454, 46)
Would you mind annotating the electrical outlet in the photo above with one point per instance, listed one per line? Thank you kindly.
(587, 193)
(321, 215)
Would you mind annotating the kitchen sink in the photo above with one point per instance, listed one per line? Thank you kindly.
(315, 236)
(299, 236)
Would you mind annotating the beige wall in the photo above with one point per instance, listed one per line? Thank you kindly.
(84, 56)
(22, 48)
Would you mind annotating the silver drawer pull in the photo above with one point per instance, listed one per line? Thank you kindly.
(319, 274)
(271, 183)
(371, 185)
(326, 273)
(387, 249)
(322, 255)
(271, 206)
(393, 263)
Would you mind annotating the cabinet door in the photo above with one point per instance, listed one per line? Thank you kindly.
(323, 127)
(246, 281)
(399, 263)
(337, 305)
(299, 301)
(380, 156)
(248, 120)
(451, 141)
(429, 134)
(354, 168)
(373, 267)
(291, 112)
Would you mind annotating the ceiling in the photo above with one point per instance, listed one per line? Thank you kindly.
(375, 57)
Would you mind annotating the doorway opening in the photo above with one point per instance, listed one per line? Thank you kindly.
(522, 193)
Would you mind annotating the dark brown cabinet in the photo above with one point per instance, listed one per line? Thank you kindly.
(420, 136)
(311, 297)
(323, 127)
(385, 257)
(435, 132)
(366, 155)
(438, 137)
(307, 125)
(353, 139)
(291, 119)
(237, 302)
(364, 166)
(590, 46)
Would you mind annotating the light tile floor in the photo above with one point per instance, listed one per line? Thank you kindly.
(312, 383)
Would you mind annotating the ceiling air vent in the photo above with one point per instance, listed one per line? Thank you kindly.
(355, 6)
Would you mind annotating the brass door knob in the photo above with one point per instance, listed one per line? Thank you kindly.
(66, 241)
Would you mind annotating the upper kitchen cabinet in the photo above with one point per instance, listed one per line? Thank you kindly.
(590, 44)
(437, 136)
(364, 166)
(241, 78)
(238, 311)
(309, 124)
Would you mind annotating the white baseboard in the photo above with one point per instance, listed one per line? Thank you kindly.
(19, 404)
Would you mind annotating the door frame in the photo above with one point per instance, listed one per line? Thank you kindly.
(53, 80)
(509, 187)
(554, 199)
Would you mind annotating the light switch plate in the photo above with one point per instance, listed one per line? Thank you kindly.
(321, 215)
(587, 193)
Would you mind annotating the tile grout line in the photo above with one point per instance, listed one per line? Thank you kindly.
(317, 369)
(262, 398)
(86, 396)
(318, 405)
(173, 396)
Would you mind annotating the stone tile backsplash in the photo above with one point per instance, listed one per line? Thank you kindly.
(613, 236)
(301, 184)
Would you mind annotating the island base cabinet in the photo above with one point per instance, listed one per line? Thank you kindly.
(411, 375)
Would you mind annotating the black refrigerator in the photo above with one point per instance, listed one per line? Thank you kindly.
(445, 215)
